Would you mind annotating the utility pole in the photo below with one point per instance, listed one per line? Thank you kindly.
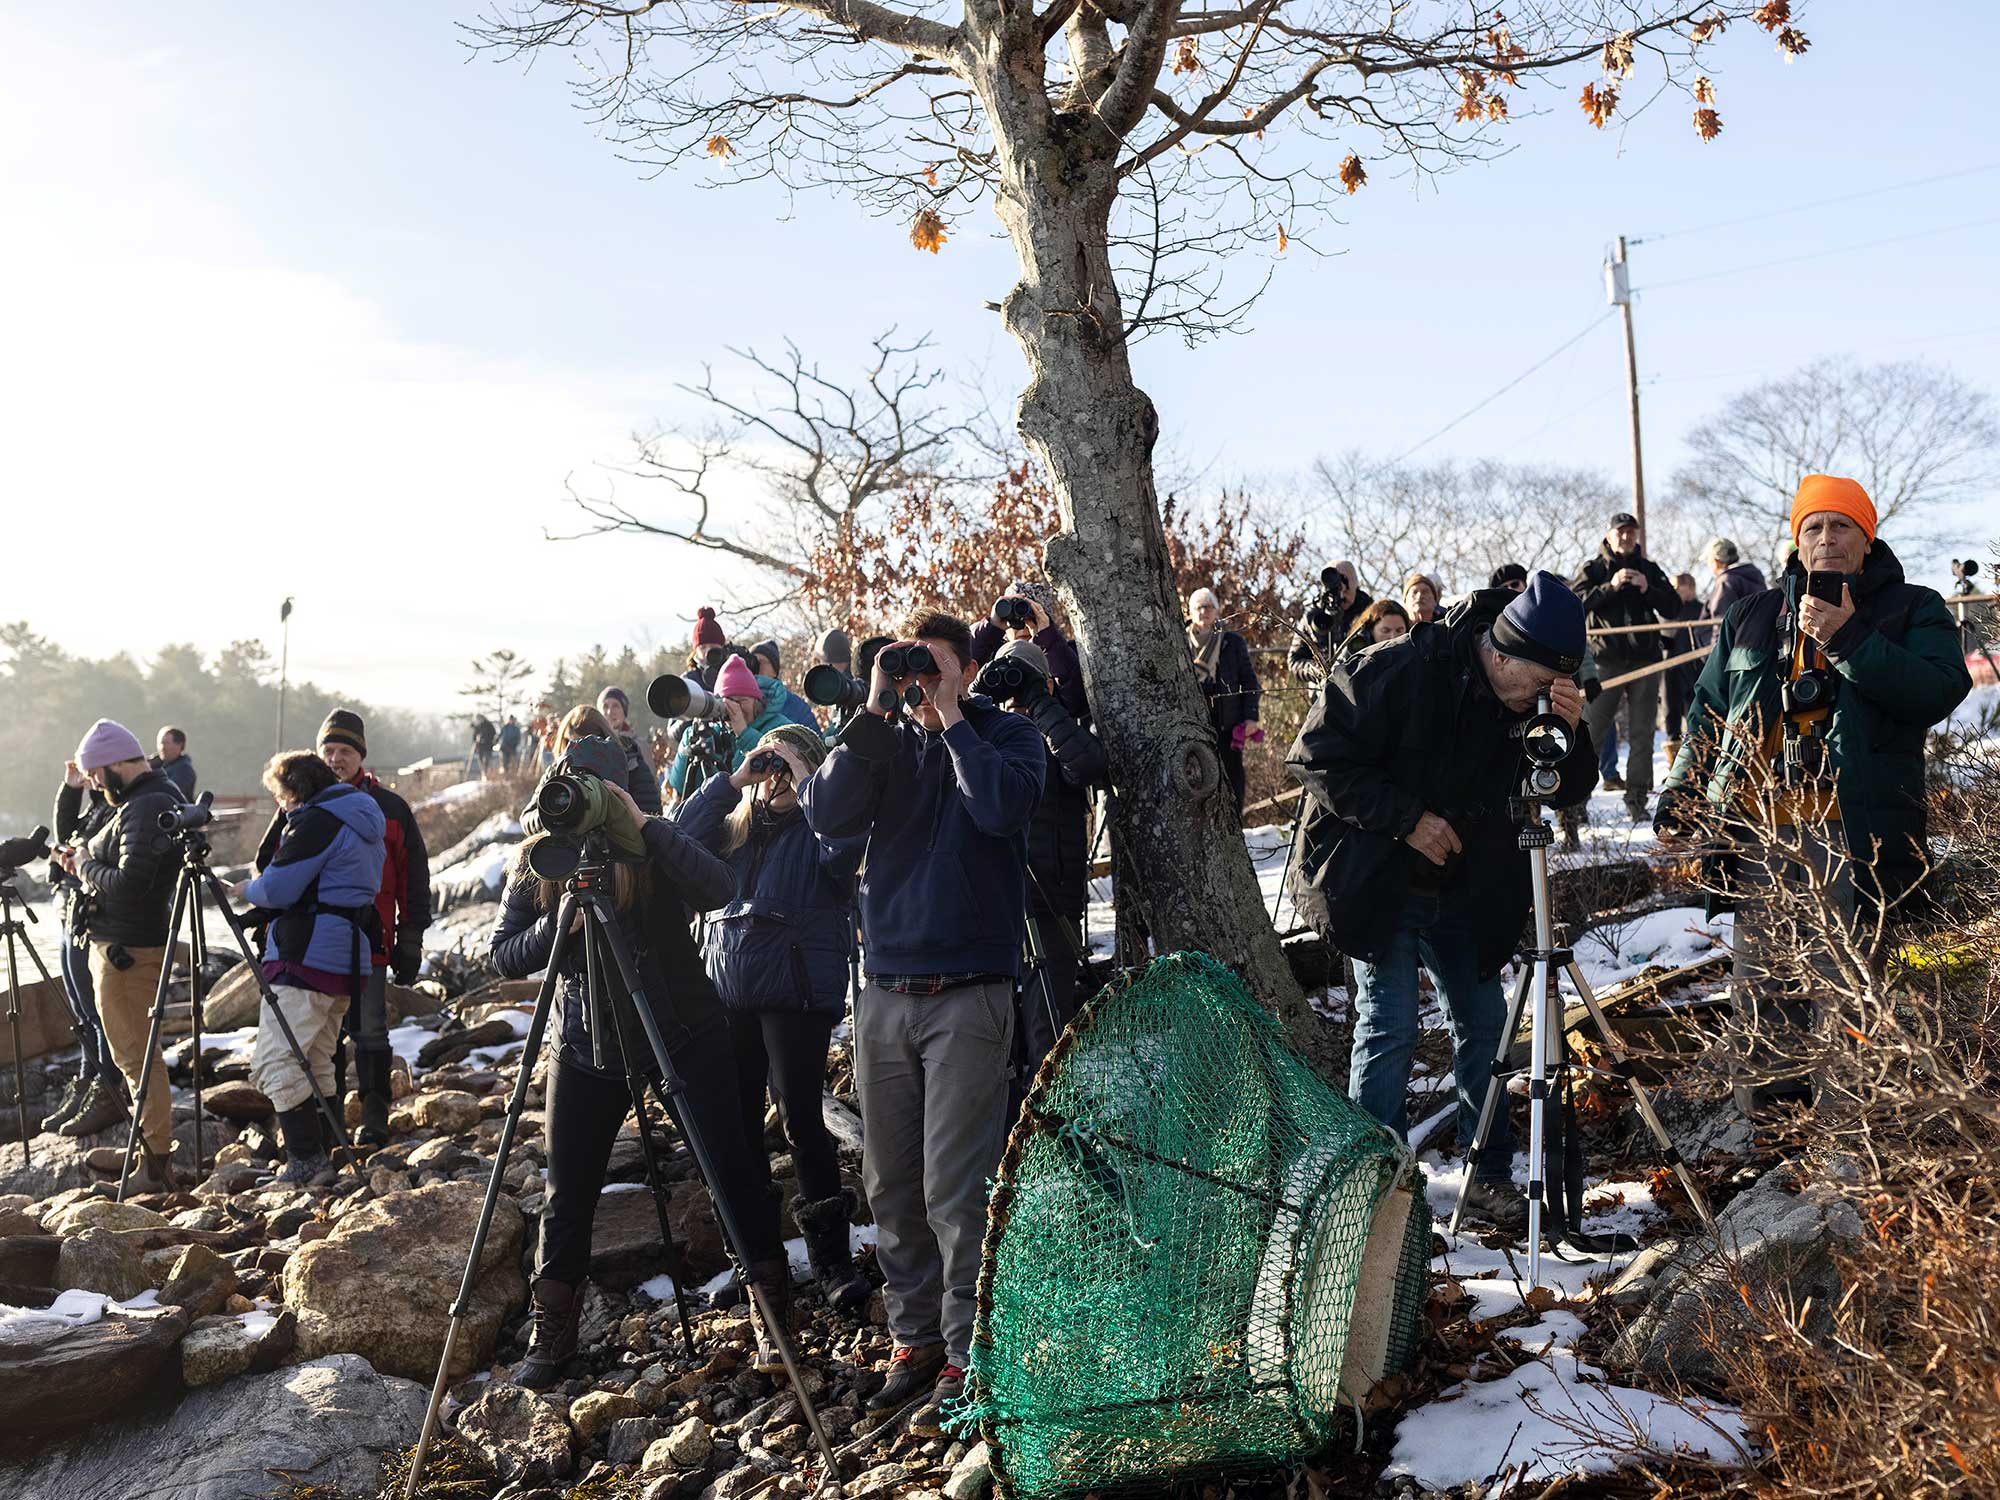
(1618, 290)
(284, 664)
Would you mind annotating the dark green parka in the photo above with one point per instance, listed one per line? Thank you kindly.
(1898, 671)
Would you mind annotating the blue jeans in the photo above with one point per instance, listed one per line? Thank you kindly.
(1607, 752)
(82, 995)
(1438, 936)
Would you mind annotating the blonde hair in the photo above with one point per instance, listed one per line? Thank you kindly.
(809, 748)
(630, 883)
(581, 723)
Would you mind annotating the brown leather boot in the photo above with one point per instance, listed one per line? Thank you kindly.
(552, 1343)
(774, 1279)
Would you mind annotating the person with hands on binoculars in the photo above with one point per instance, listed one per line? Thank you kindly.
(943, 795)
(1410, 759)
(658, 877)
(1026, 612)
(778, 956)
(1810, 716)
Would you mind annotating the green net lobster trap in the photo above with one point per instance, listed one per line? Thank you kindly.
(1198, 1255)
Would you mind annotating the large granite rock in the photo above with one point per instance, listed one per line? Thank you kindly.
(382, 1283)
(1773, 1246)
(524, 1434)
(226, 1345)
(199, 1280)
(327, 1422)
(59, 1162)
(103, 1213)
(234, 1002)
(57, 1377)
(96, 1260)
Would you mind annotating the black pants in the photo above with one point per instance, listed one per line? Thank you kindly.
(1036, 1030)
(1680, 693)
(787, 1051)
(585, 1110)
(1232, 767)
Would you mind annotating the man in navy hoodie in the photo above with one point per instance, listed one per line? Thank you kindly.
(944, 797)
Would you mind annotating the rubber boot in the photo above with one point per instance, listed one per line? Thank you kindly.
(774, 1279)
(552, 1342)
(372, 1076)
(824, 1225)
(102, 1106)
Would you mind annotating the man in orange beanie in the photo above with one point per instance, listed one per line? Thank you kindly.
(1805, 748)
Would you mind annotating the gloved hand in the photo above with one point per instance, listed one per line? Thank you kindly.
(406, 957)
(1675, 817)
(1592, 686)
(1243, 734)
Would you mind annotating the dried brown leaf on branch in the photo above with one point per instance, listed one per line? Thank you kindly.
(1618, 56)
(1352, 175)
(1187, 56)
(1792, 43)
(718, 147)
(1704, 90)
(930, 175)
(1772, 14)
(1283, 240)
(1471, 95)
(1707, 124)
(927, 231)
(1707, 28)
(1598, 103)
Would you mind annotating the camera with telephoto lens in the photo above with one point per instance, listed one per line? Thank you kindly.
(1546, 740)
(192, 815)
(1008, 679)
(906, 661)
(1808, 691)
(1964, 570)
(573, 803)
(15, 853)
(1014, 614)
(1332, 588)
(830, 687)
(673, 697)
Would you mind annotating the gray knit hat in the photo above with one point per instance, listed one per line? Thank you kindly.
(1035, 589)
(833, 646)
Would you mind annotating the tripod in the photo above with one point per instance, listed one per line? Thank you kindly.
(187, 908)
(587, 893)
(1545, 1028)
(11, 926)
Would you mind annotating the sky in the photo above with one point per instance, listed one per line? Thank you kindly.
(311, 301)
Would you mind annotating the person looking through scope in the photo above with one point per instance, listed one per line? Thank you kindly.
(659, 876)
(1328, 621)
(1409, 757)
(128, 870)
(778, 956)
(943, 795)
(94, 1099)
(752, 707)
(320, 888)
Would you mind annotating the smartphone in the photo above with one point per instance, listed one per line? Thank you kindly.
(1825, 586)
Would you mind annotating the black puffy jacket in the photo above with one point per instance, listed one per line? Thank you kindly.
(1406, 728)
(1059, 835)
(685, 877)
(130, 866)
(1604, 604)
(1319, 636)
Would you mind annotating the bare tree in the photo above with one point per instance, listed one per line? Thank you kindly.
(1116, 139)
(1456, 522)
(499, 679)
(1914, 434)
(825, 454)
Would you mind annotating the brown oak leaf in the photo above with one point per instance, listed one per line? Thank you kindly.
(927, 231)
(1707, 124)
(1351, 174)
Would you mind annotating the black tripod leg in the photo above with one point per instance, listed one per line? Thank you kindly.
(676, 1262)
(327, 1111)
(1641, 1100)
(183, 890)
(537, 1025)
(14, 1018)
(197, 970)
(725, 1214)
(1495, 1092)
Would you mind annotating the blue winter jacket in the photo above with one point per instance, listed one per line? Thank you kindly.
(776, 698)
(795, 708)
(783, 943)
(945, 816)
(329, 855)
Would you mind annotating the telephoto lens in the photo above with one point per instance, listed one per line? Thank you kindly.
(673, 697)
(830, 687)
(1013, 614)
(906, 661)
(572, 804)
(189, 814)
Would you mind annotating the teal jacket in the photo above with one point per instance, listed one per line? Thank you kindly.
(1898, 671)
(775, 693)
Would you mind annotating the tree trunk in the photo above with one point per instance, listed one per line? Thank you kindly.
(1175, 821)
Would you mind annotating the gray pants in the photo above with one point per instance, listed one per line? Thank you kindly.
(932, 1071)
(1642, 706)
(1765, 1010)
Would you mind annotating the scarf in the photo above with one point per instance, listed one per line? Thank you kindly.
(1207, 648)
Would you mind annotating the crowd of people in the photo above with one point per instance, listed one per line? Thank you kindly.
(919, 861)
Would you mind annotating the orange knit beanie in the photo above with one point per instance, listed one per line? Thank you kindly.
(1819, 492)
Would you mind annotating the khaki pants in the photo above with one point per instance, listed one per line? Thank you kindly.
(125, 1005)
(315, 1021)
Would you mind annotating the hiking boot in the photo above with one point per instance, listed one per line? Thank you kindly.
(1499, 1204)
(929, 1419)
(1613, 783)
(913, 1370)
(774, 1279)
(1673, 752)
(303, 1133)
(102, 1106)
(824, 1225)
(304, 1171)
(1635, 808)
(373, 1070)
(66, 1103)
(151, 1173)
(552, 1341)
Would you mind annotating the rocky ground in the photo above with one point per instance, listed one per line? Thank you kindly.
(238, 1338)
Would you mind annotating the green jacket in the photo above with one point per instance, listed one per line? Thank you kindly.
(1898, 671)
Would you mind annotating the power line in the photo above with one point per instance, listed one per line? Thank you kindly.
(1796, 208)
(1792, 260)
(1488, 401)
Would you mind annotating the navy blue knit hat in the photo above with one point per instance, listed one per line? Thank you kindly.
(1543, 624)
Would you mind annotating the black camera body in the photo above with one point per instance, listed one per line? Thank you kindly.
(1007, 679)
(1807, 692)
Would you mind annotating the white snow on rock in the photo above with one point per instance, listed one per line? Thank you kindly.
(1680, 935)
